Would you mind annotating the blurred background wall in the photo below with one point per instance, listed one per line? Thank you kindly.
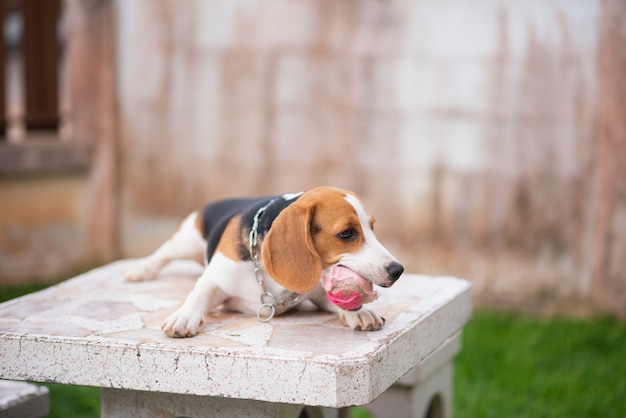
(488, 138)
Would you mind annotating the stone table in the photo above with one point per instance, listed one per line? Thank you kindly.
(98, 330)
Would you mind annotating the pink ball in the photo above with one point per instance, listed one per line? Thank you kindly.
(348, 289)
(346, 299)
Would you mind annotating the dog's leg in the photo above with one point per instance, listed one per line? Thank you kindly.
(204, 296)
(359, 320)
(186, 243)
(222, 280)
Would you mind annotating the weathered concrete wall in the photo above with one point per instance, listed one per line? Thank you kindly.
(470, 130)
(61, 218)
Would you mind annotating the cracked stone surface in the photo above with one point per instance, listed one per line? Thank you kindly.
(98, 330)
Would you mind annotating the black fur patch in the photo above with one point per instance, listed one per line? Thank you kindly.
(215, 218)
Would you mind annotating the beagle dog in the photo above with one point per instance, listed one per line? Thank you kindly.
(266, 255)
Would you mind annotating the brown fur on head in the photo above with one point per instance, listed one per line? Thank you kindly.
(306, 238)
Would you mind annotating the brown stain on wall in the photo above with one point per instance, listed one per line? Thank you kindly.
(42, 228)
(322, 135)
(608, 256)
(543, 200)
(34, 203)
(519, 227)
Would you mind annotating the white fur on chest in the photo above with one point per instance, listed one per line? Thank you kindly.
(239, 281)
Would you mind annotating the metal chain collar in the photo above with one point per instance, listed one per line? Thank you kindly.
(267, 310)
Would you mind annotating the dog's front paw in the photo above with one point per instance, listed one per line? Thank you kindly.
(182, 323)
(362, 320)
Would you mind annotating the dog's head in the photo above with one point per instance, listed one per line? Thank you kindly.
(326, 227)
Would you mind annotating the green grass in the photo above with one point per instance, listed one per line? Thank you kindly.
(74, 401)
(520, 366)
(11, 292)
(510, 366)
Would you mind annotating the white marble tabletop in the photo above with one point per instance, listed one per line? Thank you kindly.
(98, 330)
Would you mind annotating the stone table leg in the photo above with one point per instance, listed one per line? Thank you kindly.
(120, 403)
(425, 391)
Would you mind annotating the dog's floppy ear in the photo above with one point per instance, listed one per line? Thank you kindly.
(288, 253)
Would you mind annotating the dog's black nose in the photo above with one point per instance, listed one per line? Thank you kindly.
(394, 269)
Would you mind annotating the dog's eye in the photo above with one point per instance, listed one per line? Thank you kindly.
(347, 235)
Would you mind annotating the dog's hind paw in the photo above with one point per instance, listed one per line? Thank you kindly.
(140, 272)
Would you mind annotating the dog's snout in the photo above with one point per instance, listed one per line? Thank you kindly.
(394, 269)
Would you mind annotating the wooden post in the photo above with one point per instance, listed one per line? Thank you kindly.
(41, 63)
(3, 108)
